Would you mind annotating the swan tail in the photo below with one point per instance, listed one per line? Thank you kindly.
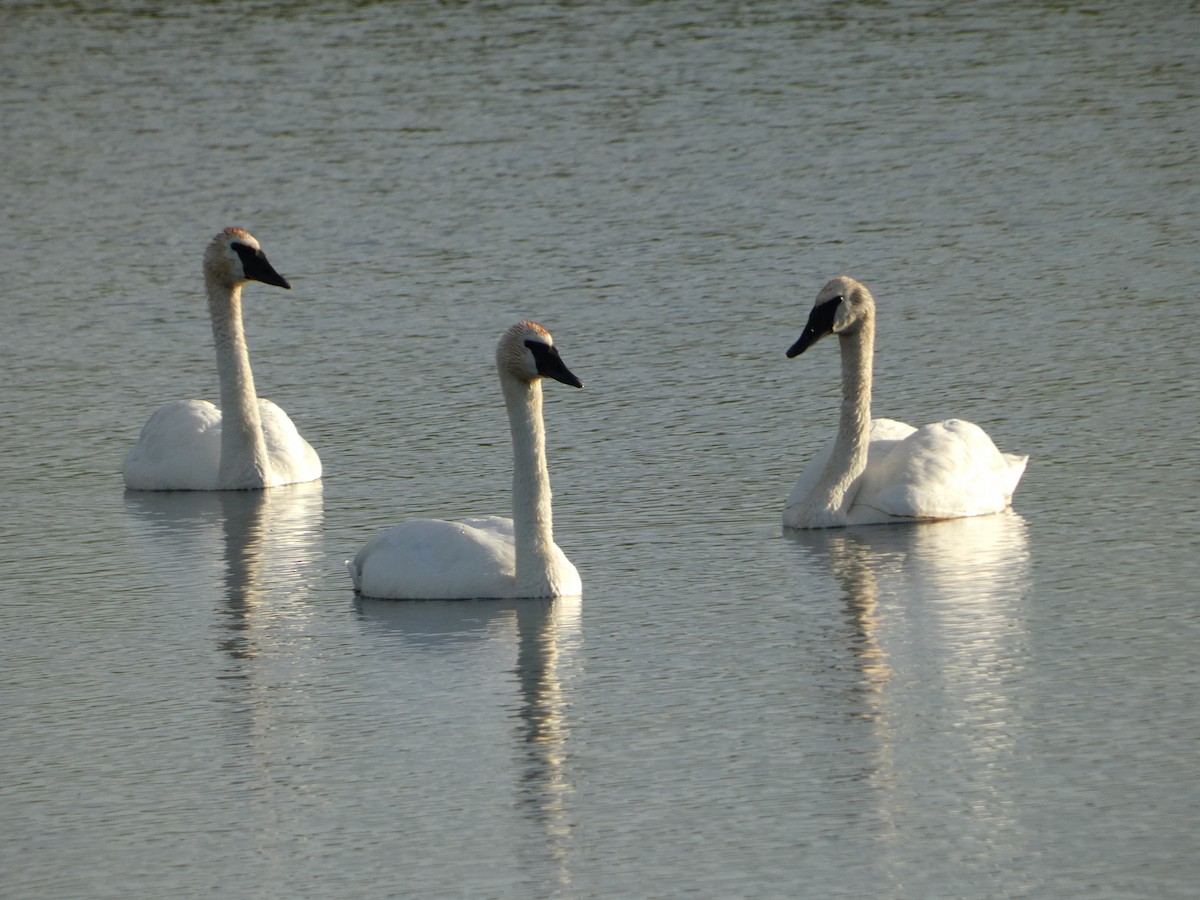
(1016, 468)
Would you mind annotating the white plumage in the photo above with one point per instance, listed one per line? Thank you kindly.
(249, 442)
(880, 471)
(487, 556)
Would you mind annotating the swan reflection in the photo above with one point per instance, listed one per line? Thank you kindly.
(937, 633)
(548, 657)
(255, 544)
(480, 636)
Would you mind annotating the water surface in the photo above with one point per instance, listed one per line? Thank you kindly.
(196, 702)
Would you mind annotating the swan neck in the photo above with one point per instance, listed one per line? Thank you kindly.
(857, 351)
(244, 461)
(835, 492)
(533, 530)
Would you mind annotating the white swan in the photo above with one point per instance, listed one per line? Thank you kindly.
(487, 556)
(883, 470)
(190, 445)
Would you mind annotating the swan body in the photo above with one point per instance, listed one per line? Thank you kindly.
(881, 470)
(487, 556)
(249, 443)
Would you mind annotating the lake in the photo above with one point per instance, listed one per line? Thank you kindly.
(196, 703)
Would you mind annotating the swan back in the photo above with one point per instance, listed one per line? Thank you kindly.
(944, 470)
(179, 449)
(436, 559)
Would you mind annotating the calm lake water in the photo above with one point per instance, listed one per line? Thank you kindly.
(196, 704)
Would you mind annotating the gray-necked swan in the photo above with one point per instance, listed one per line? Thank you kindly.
(248, 443)
(487, 556)
(883, 470)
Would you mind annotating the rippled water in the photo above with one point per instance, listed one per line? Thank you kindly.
(196, 703)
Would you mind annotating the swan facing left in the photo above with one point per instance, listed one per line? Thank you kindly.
(881, 470)
(247, 444)
(487, 556)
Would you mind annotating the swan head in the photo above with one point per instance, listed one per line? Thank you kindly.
(234, 257)
(526, 352)
(843, 306)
